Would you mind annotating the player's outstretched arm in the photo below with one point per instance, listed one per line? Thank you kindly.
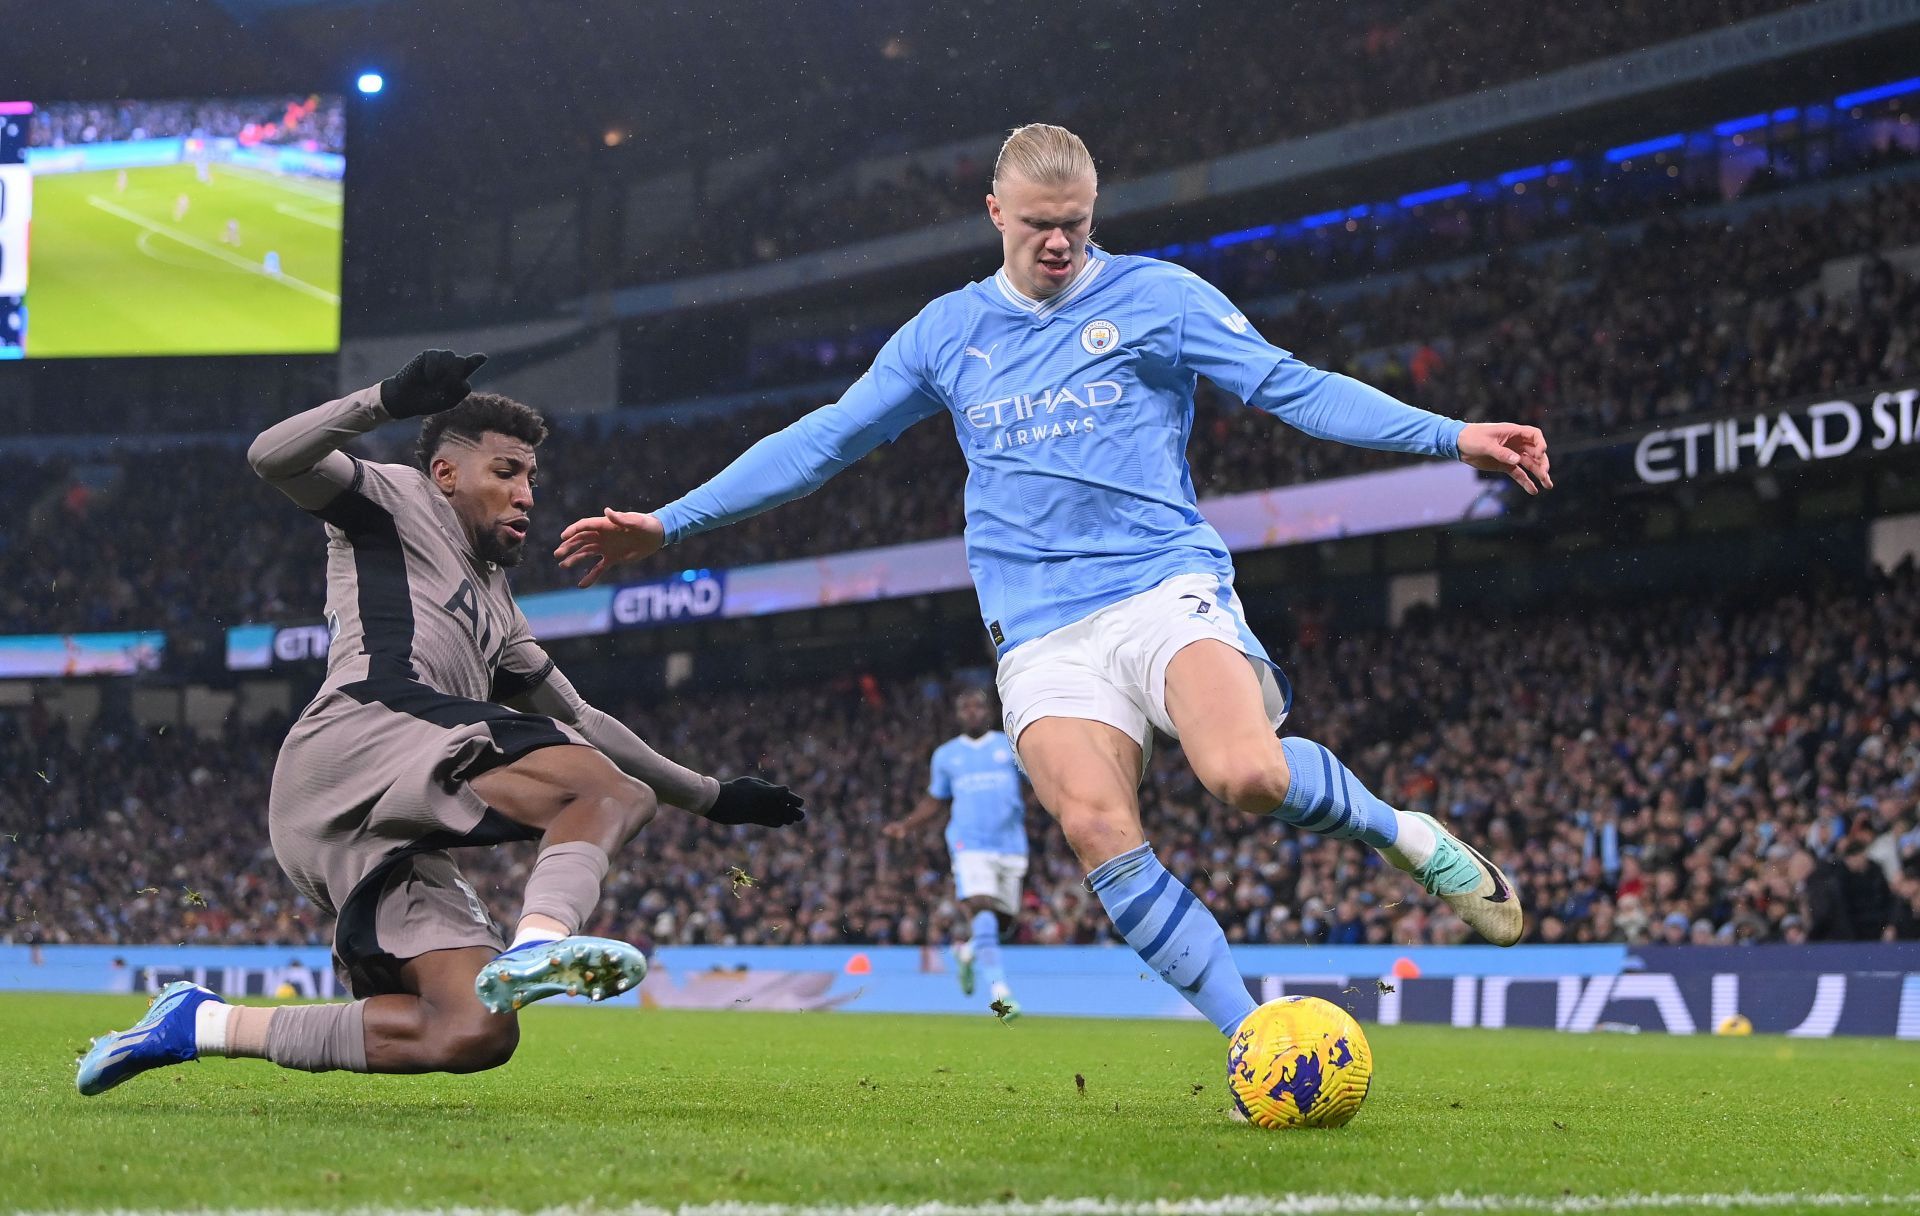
(786, 465)
(301, 455)
(740, 800)
(926, 809)
(1327, 405)
(1215, 340)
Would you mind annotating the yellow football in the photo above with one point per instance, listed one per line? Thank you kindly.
(1298, 1061)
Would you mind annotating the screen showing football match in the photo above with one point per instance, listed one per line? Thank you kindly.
(186, 227)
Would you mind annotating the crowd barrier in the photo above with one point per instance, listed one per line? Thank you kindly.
(1808, 991)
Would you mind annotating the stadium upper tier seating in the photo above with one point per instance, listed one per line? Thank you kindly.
(1218, 81)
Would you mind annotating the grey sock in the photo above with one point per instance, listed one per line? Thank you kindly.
(565, 883)
(319, 1038)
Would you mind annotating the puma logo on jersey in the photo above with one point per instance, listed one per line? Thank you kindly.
(985, 356)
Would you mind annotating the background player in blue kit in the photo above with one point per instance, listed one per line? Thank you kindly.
(976, 782)
(1068, 377)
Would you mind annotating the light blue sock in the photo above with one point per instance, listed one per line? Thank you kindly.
(1174, 934)
(1326, 799)
(986, 951)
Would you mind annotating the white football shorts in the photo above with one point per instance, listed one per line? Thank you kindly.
(994, 876)
(1111, 666)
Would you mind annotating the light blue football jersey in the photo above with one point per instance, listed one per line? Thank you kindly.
(989, 813)
(1073, 415)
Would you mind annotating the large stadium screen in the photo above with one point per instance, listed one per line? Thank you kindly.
(196, 227)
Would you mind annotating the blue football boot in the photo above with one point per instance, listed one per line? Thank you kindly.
(165, 1035)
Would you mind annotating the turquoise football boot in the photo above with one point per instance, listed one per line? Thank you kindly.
(593, 967)
(1473, 887)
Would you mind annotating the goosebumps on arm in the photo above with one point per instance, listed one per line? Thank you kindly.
(556, 697)
(794, 462)
(1328, 405)
(300, 455)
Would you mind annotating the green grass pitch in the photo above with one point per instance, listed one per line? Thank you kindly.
(112, 272)
(613, 1108)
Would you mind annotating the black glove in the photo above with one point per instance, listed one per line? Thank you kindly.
(432, 380)
(751, 800)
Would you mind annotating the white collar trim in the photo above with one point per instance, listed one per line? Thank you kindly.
(1039, 308)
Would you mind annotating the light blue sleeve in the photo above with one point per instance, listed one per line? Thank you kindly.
(1218, 342)
(798, 460)
(942, 784)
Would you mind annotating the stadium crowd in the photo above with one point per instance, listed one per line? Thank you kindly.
(318, 125)
(1589, 338)
(1368, 59)
(1606, 264)
(1694, 770)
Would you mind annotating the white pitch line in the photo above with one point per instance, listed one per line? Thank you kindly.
(292, 185)
(312, 217)
(193, 242)
(1229, 1205)
(144, 243)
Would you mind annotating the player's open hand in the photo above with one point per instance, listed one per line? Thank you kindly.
(609, 539)
(751, 800)
(1507, 447)
(432, 381)
(897, 830)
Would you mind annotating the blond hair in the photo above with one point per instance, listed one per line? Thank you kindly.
(1045, 155)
